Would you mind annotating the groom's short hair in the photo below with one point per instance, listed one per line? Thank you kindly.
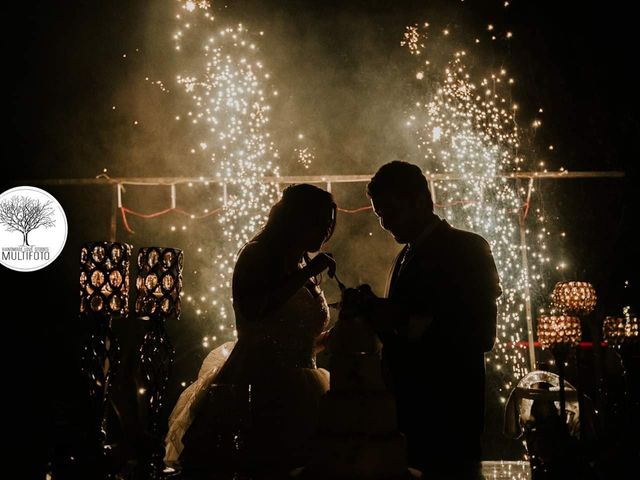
(400, 179)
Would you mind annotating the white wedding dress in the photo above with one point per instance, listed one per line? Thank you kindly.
(275, 356)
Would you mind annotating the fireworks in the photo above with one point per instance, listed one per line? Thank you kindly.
(304, 156)
(468, 129)
(229, 110)
(411, 39)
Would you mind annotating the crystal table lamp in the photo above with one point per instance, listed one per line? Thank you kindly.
(104, 289)
(158, 288)
(104, 278)
(574, 298)
(620, 331)
(559, 334)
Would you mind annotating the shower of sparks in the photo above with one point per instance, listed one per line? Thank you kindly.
(229, 111)
(412, 39)
(468, 129)
(157, 83)
(304, 156)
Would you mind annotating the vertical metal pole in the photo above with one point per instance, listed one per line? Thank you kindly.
(527, 287)
(561, 357)
(116, 204)
(432, 189)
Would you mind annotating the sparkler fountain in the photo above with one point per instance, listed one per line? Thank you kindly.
(225, 83)
(469, 143)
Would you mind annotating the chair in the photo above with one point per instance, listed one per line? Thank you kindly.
(532, 413)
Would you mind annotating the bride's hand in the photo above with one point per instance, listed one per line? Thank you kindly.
(320, 263)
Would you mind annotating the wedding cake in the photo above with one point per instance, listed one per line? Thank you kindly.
(358, 437)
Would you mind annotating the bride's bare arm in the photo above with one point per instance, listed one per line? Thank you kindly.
(278, 294)
(258, 291)
(321, 342)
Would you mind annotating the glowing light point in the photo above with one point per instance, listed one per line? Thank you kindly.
(437, 133)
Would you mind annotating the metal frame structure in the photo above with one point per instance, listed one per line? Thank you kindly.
(119, 182)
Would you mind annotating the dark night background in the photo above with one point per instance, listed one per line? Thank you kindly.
(65, 69)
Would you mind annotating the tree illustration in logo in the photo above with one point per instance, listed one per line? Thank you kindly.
(25, 214)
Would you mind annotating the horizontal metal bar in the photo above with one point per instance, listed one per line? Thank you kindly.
(103, 180)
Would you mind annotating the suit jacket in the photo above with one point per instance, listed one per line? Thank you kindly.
(451, 277)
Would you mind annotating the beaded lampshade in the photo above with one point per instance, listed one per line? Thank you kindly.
(574, 298)
(561, 330)
(618, 331)
(159, 281)
(104, 278)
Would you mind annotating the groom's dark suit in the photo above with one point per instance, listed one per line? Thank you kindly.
(436, 369)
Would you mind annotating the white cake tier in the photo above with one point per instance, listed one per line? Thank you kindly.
(358, 412)
(363, 457)
(355, 371)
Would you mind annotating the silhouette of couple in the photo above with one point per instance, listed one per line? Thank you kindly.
(436, 321)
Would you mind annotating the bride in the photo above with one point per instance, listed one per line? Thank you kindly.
(281, 316)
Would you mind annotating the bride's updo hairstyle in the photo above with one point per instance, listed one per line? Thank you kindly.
(302, 207)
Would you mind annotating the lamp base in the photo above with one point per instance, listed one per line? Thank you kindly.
(156, 356)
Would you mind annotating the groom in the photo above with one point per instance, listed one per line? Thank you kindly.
(436, 322)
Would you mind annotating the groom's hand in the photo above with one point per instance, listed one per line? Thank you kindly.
(366, 294)
(381, 313)
(366, 298)
(350, 301)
